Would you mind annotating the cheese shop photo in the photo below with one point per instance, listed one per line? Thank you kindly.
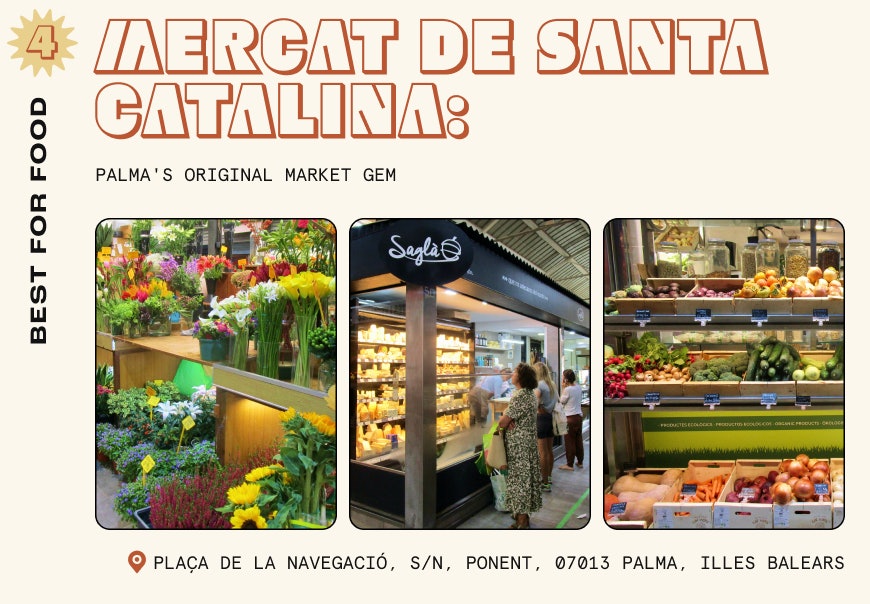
(441, 313)
(724, 373)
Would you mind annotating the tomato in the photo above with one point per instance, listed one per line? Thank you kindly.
(770, 272)
(772, 281)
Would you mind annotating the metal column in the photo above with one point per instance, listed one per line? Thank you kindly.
(420, 373)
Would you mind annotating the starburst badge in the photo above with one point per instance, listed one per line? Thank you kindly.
(42, 43)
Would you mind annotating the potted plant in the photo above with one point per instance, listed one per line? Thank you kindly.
(172, 239)
(212, 268)
(213, 336)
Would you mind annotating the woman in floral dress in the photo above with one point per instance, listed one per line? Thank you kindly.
(524, 471)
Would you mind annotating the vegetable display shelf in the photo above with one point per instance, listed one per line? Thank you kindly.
(627, 419)
(248, 405)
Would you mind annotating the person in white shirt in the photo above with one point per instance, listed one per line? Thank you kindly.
(572, 395)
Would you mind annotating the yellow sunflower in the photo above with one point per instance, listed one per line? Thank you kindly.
(248, 518)
(244, 494)
(289, 414)
(321, 423)
(258, 474)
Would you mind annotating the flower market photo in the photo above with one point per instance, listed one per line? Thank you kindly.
(215, 373)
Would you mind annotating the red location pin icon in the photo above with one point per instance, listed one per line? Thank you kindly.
(136, 559)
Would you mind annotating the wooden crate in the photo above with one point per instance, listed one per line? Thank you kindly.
(640, 524)
(691, 233)
(759, 388)
(699, 389)
(663, 388)
(717, 306)
(685, 284)
(820, 388)
(656, 306)
(744, 515)
(674, 514)
(773, 306)
(804, 514)
(838, 511)
(806, 306)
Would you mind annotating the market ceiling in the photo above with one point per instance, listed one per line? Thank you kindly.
(557, 247)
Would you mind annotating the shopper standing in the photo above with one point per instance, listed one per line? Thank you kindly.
(524, 474)
(546, 394)
(572, 396)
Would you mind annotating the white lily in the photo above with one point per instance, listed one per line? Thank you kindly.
(166, 409)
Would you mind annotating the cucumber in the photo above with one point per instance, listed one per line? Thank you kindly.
(774, 354)
(771, 373)
(792, 365)
(753, 363)
(763, 365)
(768, 348)
(784, 359)
(824, 374)
(834, 360)
(838, 371)
(768, 340)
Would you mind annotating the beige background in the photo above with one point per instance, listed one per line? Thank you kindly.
(791, 143)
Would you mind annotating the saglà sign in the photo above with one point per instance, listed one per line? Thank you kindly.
(426, 252)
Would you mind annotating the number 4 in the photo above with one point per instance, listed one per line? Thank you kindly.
(43, 42)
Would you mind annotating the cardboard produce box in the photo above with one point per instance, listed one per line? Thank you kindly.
(676, 513)
(717, 306)
(641, 524)
(728, 515)
(804, 514)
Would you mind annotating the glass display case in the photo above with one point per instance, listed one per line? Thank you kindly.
(380, 383)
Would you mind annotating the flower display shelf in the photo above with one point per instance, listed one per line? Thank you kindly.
(248, 405)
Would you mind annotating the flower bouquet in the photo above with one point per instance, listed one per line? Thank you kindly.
(159, 305)
(212, 268)
(237, 312)
(213, 336)
(269, 301)
(307, 292)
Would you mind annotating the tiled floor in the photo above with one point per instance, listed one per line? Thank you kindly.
(108, 484)
(567, 506)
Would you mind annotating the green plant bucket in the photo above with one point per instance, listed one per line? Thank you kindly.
(191, 376)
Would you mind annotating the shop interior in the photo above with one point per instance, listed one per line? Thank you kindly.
(695, 311)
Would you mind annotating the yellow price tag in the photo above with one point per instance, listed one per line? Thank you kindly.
(131, 274)
(158, 382)
(223, 249)
(272, 274)
(187, 423)
(132, 254)
(153, 401)
(243, 262)
(105, 251)
(150, 391)
(148, 464)
(253, 281)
